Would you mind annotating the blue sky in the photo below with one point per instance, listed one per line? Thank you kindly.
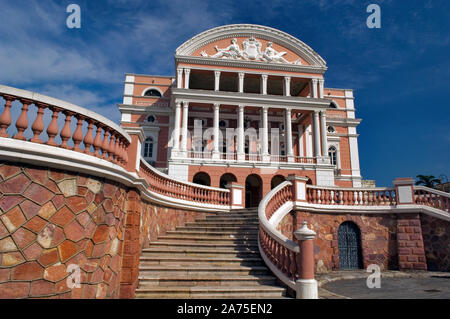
(400, 73)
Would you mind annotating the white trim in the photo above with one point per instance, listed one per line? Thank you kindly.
(152, 88)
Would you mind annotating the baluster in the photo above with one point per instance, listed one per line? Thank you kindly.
(336, 196)
(88, 138)
(78, 134)
(125, 153)
(5, 118)
(65, 132)
(98, 140)
(22, 121)
(38, 125)
(112, 158)
(359, 198)
(116, 149)
(105, 144)
(52, 129)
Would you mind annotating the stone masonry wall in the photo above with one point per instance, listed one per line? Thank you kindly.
(378, 235)
(52, 219)
(436, 240)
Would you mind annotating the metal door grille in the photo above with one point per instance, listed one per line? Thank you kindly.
(349, 240)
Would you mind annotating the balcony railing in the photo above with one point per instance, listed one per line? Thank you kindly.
(249, 157)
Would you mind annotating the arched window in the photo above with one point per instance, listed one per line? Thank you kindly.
(333, 105)
(331, 129)
(153, 93)
(148, 147)
(151, 119)
(332, 153)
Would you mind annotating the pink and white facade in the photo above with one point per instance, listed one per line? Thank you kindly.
(239, 79)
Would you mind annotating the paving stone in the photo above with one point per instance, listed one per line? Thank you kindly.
(66, 250)
(8, 202)
(14, 290)
(62, 217)
(13, 219)
(23, 237)
(49, 257)
(38, 193)
(7, 245)
(15, 185)
(27, 271)
(56, 272)
(74, 231)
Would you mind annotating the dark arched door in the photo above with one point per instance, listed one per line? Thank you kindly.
(349, 241)
(253, 190)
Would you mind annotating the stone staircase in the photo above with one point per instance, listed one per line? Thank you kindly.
(216, 257)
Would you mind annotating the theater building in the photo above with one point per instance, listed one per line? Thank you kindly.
(262, 93)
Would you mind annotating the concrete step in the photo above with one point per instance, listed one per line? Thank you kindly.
(206, 280)
(147, 260)
(195, 270)
(199, 252)
(211, 239)
(227, 229)
(211, 292)
(214, 234)
(220, 224)
(237, 246)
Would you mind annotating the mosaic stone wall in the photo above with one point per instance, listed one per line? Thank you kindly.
(436, 239)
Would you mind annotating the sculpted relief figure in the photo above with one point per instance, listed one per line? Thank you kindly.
(271, 55)
(251, 51)
(231, 52)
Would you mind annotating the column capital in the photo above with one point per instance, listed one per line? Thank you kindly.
(185, 104)
(217, 73)
(287, 78)
(265, 76)
(187, 71)
(216, 106)
(314, 80)
(241, 75)
(265, 108)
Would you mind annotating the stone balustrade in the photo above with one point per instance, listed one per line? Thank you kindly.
(431, 197)
(164, 185)
(100, 137)
(351, 196)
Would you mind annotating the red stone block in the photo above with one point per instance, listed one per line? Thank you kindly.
(8, 202)
(3, 231)
(6, 171)
(412, 258)
(56, 175)
(27, 271)
(82, 191)
(15, 185)
(99, 250)
(49, 257)
(108, 205)
(14, 290)
(62, 217)
(58, 236)
(29, 208)
(99, 198)
(58, 201)
(101, 234)
(56, 272)
(51, 185)
(37, 175)
(38, 194)
(420, 266)
(97, 276)
(89, 291)
(403, 222)
(414, 222)
(76, 203)
(33, 252)
(35, 224)
(23, 237)
(61, 286)
(42, 288)
(404, 251)
(415, 237)
(74, 231)
(109, 190)
(101, 291)
(90, 265)
(66, 250)
(4, 275)
(98, 216)
(13, 219)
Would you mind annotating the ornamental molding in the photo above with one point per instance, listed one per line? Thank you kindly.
(251, 48)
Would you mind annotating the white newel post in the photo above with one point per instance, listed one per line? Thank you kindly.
(306, 287)
(179, 78)
(299, 187)
(323, 128)
(404, 190)
(265, 134)
(237, 195)
(317, 152)
(176, 127)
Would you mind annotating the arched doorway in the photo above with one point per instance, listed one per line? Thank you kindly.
(253, 190)
(227, 178)
(276, 180)
(349, 241)
(202, 179)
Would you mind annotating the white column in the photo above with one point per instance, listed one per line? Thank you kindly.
(338, 158)
(323, 131)
(287, 86)
(317, 152)
(288, 130)
(240, 151)
(216, 80)
(301, 152)
(241, 82)
(265, 133)
(216, 153)
(184, 128)
(179, 78)
(187, 72)
(314, 88)
(321, 86)
(264, 78)
(176, 127)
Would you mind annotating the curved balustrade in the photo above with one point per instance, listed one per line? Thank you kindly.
(351, 196)
(103, 138)
(163, 184)
(431, 197)
(281, 252)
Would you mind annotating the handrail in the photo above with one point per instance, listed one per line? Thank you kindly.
(168, 186)
(103, 138)
(280, 253)
(432, 197)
